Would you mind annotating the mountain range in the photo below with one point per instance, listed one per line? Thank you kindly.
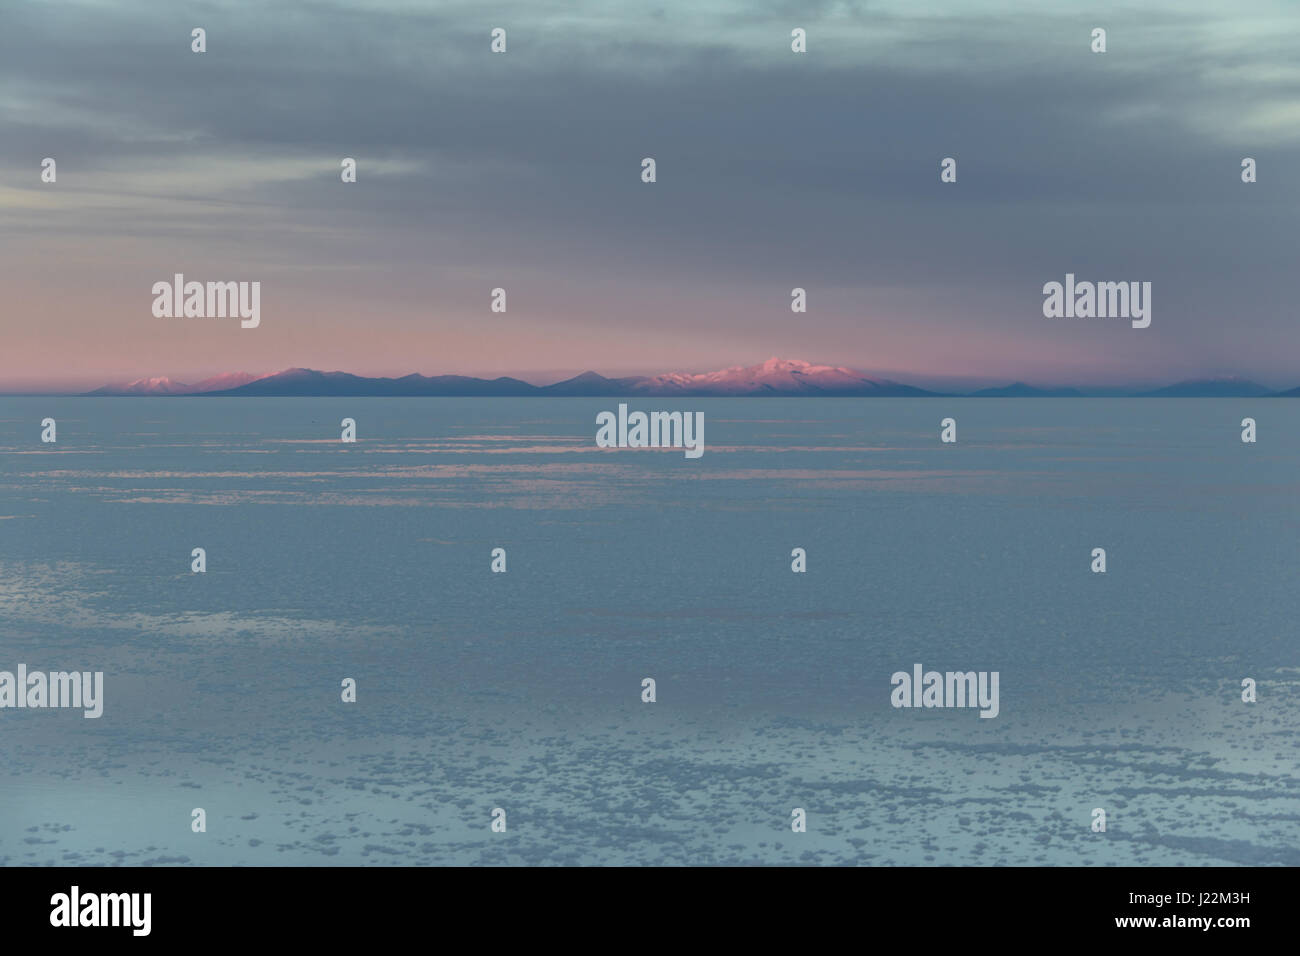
(775, 377)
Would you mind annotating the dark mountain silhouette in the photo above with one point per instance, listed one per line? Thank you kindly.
(1021, 390)
(1210, 388)
(306, 382)
(775, 377)
(592, 384)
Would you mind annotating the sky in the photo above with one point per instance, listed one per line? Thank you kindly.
(775, 170)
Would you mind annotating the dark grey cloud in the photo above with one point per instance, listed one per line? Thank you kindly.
(774, 169)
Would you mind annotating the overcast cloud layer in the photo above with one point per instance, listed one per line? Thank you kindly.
(775, 170)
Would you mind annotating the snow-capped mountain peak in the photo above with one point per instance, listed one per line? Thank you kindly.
(162, 385)
(776, 375)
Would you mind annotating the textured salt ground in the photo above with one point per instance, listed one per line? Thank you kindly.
(652, 788)
(521, 691)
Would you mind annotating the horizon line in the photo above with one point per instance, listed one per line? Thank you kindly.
(949, 385)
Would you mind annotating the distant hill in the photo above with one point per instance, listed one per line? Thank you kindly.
(590, 383)
(1210, 388)
(1021, 390)
(306, 382)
